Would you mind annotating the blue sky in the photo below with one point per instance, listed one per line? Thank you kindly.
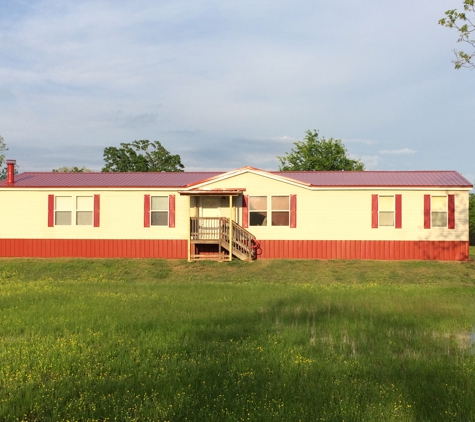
(227, 84)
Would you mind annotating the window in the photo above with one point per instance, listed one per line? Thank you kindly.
(63, 206)
(84, 210)
(439, 211)
(283, 210)
(386, 211)
(73, 210)
(258, 210)
(438, 206)
(159, 210)
(280, 210)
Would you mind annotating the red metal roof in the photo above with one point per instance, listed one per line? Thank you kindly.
(446, 179)
(379, 178)
(108, 180)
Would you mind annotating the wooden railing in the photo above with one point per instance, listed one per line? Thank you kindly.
(216, 229)
(242, 240)
(205, 228)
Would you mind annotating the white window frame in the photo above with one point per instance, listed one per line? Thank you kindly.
(88, 209)
(388, 210)
(62, 209)
(446, 211)
(287, 210)
(269, 210)
(73, 210)
(266, 210)
(158, 211)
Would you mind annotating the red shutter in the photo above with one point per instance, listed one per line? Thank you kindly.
(171, 211)
(374, 211)
(97, 210)
(245, 211)
(451, 212)
(146, 211)
(293, 211)
(398, 211)
(427, 211)
(50, 210)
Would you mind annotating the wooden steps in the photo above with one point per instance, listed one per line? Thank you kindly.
(216, 231)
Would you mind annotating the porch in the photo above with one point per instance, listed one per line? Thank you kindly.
(216, 239)
(214, 233)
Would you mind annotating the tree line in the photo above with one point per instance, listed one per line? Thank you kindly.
(313, 153)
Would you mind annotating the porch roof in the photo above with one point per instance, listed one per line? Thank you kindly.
(213, 192)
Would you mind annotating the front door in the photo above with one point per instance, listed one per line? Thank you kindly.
(209, 206)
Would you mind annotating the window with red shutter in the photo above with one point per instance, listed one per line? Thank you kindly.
(451, 217)
(97, 210)
(245, 211)
(293, 211)
(427, 211)
(171, 211)
(146, 211)
(50, 210)
(374, 211)
(398, 211)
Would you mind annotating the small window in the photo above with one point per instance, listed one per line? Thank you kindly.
(84, 210)
(280, 210)
(439, 208)
(159, 211)
(258, 210)
(63, 210)
(386, 211)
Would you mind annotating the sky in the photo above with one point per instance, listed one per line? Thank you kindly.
(227, 84)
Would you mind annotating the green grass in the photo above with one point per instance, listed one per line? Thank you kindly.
(155, 340)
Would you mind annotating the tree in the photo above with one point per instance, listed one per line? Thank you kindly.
(140, 156)
(465, 27)
(314, 153)
(74, 169)
(471, 218)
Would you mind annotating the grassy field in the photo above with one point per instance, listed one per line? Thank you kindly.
(155, 340)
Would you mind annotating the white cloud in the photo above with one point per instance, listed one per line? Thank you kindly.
(403, 151)
(370, 161)
(287, 140)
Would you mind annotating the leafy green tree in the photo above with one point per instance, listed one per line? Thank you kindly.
(471, 218)
(465, 25)
(140, 156)
(314, 153)
(74, 169)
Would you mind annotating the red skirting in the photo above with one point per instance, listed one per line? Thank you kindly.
(365, 249)
(93, 248)
(290, 249)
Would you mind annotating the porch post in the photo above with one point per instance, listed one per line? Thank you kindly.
(189, 229)
(230, 228)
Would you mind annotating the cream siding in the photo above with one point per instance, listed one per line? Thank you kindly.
(121, 216)
(345, 214)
